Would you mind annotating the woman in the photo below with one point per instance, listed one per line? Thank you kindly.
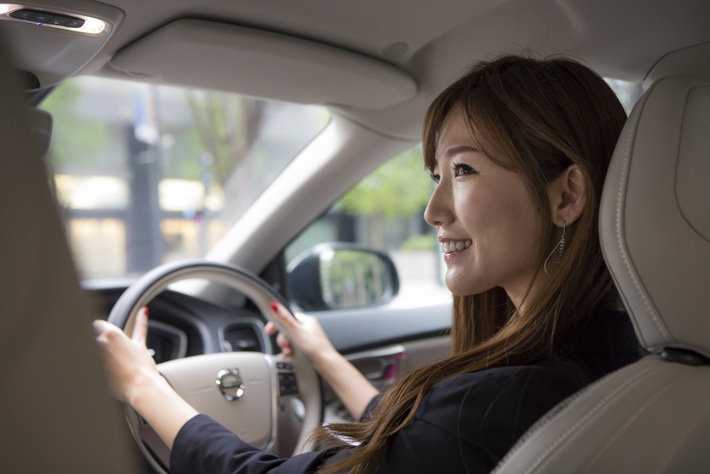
(518, 149)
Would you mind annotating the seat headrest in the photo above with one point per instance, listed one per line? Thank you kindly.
(655, 215)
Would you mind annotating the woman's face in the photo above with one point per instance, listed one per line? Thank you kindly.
(487, 221)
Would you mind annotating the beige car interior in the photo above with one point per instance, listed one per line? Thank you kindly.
(652, 416)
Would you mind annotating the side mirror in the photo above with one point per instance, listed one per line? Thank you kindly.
(335, 276)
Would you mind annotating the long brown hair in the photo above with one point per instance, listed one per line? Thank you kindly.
(543, 116)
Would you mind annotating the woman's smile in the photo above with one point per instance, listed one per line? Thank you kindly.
(452, 246)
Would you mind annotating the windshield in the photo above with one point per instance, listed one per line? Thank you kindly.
(147, 174)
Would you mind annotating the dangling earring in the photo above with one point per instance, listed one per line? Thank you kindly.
(561, 245)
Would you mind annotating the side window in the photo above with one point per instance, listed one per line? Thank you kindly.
(628, 92)
(384, 211)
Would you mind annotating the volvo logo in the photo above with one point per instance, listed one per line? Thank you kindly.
(230, 384)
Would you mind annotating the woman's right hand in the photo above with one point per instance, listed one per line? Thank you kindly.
(307, 335)
(305, 332)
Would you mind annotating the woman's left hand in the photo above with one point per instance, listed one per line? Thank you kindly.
(134, 377)
(125, 355)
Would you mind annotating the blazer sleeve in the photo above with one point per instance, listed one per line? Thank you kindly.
(204, 446)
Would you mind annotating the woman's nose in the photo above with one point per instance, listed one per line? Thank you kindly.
(438, 211)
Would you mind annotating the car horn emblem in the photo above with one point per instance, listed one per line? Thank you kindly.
(230, 384)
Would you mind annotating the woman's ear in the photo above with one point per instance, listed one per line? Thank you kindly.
(568, 196)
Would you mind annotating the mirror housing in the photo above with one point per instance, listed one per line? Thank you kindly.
(335, 276)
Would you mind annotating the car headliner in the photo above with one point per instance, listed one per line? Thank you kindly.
(429, 42)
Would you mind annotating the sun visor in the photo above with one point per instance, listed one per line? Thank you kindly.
(263, 64)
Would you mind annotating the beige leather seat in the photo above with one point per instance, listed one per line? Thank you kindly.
(652, 416)
(57, 415)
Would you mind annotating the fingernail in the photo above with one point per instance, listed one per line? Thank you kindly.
(274, 307)
(145, 310)
(96, 325)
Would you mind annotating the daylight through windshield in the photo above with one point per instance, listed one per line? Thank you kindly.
(147, 174)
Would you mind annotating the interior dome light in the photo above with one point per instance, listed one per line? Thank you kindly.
(53, 19)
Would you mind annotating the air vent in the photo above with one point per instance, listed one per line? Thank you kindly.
(243, 337)
(166, 342)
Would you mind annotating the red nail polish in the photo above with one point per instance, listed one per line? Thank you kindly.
(274, 307)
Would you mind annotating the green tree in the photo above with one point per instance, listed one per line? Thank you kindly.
(399, 188)
(227, 126)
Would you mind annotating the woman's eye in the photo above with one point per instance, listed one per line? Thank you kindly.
(461, 170)
(435, 177)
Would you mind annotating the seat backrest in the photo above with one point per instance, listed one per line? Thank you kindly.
(655, 221)
(57, 415)
(654, 415)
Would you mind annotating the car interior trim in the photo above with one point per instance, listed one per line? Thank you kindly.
(351, 333)
(379, 365)
(257, 61)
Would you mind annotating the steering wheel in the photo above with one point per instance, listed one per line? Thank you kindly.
(243, 391)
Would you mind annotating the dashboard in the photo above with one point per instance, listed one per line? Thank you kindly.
(181, 325)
